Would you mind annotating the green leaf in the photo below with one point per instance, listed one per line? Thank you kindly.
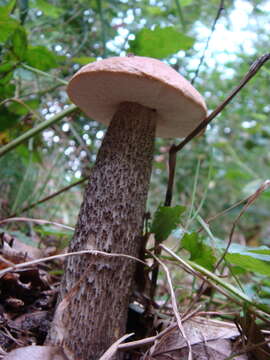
(7, 27)
(250, 263)
(83, 60)
(49, 9)
(5, 78)
(19, 109)
(6, 91)
(47, 230)
(41, 58)
(200, 252)
(185, 2)
(6, 67)
(154, 10)
(261, 250)
(7, 9)
(19, 43)
(7, 119)
(165, 221)
(160, 42)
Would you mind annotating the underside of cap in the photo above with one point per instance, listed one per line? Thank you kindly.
(99, 87)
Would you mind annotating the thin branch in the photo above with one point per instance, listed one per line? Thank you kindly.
(172, 164)
(220, 9)
(22, 103)
(180, 14)
(42, 92)
(37, 221)
(42, 73)
(255, 67)
(81, 252)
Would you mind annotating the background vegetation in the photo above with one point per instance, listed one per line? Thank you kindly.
(42, 43)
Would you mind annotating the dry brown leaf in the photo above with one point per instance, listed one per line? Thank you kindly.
(209, 339)
(15, 251)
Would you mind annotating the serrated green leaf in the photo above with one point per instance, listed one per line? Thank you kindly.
(83, 60)
(200, 252)
(49, 9)
(7, 27)
(41, 58)
(165, 221)
(160, 42)
(19, 43)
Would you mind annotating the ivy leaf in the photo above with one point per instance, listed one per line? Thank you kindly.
(19, 43)
(165, 221)
(160, 42)
(41, 58)
(200, 252)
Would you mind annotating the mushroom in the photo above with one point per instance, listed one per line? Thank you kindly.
(139, 98)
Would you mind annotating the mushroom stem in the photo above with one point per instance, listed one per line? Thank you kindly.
(110, 219)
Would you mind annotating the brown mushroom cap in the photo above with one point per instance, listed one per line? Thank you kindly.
(98, 89)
